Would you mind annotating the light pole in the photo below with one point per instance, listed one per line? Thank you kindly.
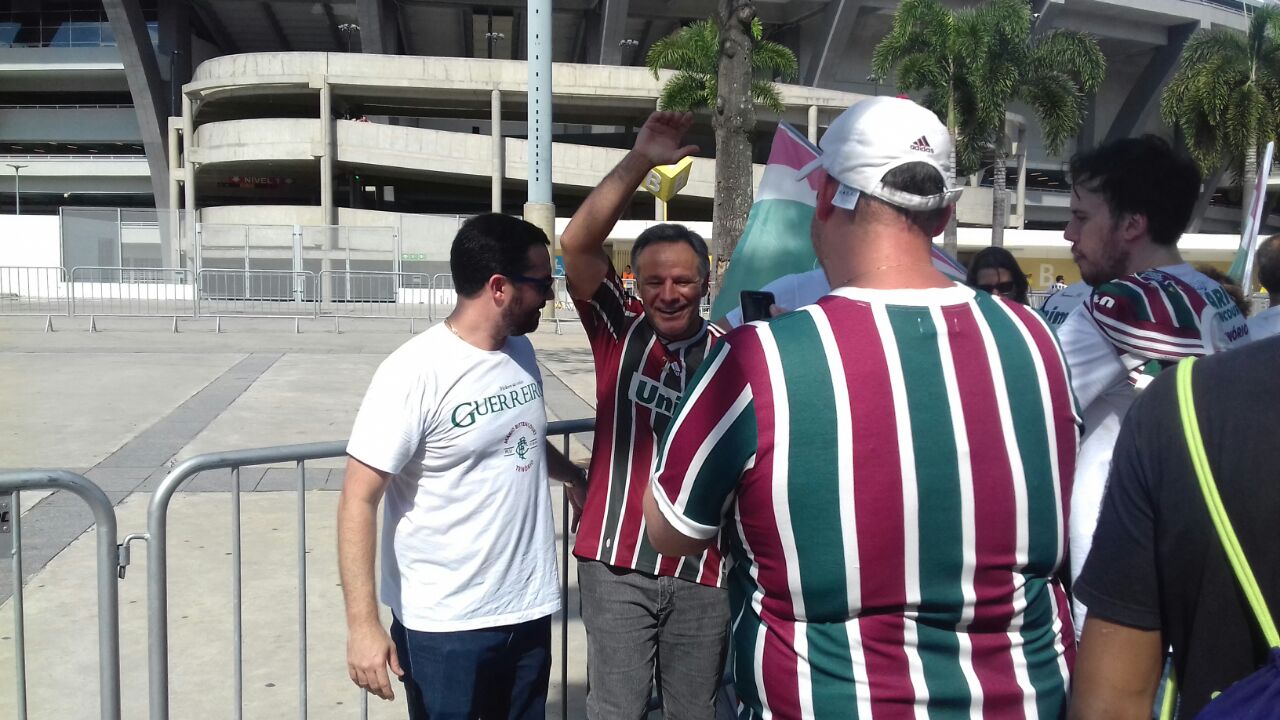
(348, 29)
(17, 197)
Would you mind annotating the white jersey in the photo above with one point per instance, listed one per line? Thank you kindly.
(1059, 305)
(468, 539)
(1129, 330)
(1265, 323)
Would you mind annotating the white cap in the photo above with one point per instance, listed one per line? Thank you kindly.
(875, 136)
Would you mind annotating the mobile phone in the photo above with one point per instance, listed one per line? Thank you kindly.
(755, 305)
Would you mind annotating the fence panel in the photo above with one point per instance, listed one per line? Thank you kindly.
(374, 294)
(257, 293)
(132, 292)
(34, 291)
(443, 296)
(158, 577)
(11, 485)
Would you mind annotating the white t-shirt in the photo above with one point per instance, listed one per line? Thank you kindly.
(1110, 343)
(1265, 323)
(467, 535)
(1059, 305)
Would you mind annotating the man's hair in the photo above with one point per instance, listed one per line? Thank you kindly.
(488, 245)
(673, 233)
(1144, 176)
(1058, 278)
(1268, 261)
(917, 178)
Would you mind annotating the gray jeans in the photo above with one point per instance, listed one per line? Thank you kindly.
(636, 621)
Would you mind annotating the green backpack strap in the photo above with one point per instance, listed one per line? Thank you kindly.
(1222, 523)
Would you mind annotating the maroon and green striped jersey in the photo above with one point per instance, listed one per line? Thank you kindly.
(892, 470)
(639, 382)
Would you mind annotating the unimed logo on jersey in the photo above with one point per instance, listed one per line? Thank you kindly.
(652, 395)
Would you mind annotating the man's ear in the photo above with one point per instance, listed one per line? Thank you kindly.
(497, 287)
(1134, 226)
(826, 193)
(943, 219)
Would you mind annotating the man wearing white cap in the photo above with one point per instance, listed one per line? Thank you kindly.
(891, 465)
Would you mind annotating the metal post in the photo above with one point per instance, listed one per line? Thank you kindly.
(539, 209)
(17, 191)
(498, 162)
(237, 601)
(12, 504)
(565, 511)
(302, 590)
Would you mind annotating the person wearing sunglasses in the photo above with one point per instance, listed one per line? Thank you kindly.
(994, 270)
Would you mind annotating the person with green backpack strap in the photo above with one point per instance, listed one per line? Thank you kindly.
(1186, 553)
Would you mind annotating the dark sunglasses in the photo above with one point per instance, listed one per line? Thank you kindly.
(542, 284)
(1004, 288)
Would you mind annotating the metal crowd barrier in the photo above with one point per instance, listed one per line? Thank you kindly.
(375, 294)
(443, 296)
(157, 563)
(35, 291)
(11, 485)
(132, 292)
(257, 293)
(563, 308)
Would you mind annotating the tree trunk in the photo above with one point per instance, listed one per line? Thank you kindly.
(733, 118)
(1247, 182)
(949, 241)
(999, 194)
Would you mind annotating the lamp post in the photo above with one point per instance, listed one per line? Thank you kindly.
(17, 195)
(347, 30)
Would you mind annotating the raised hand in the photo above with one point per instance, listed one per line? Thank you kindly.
(660, 139)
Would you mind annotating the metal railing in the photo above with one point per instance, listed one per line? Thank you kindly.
(35, 291)
(257, 293)
(108, 561)
(132, 292)
(157, 563)
(375, 294)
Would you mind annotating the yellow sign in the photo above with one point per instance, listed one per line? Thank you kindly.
(665, 181)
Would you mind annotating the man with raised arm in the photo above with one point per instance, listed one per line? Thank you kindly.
(643, 611)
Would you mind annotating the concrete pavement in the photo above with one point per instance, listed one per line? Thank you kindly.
(122, 406)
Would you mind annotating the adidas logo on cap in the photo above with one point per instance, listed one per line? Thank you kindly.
(922, 145)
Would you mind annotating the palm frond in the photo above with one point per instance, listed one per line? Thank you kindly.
(766, 94)
(774, 60)
(685, 91)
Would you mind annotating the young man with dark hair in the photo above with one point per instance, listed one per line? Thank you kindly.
(1130, 201)
(451, 430)
(1267, 322)
(642, 610)
(889, 466)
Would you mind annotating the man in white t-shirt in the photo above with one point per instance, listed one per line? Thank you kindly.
(1267, 322)
(452, 432)
(1130, 202)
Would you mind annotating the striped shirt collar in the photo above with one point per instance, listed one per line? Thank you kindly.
(925, 297)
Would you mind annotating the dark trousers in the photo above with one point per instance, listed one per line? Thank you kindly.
(637, 624)
(497, 673)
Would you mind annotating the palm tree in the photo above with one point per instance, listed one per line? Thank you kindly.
(700, 60)
(936, 50)
(1225, 96)
(1050, 73)
(693, 52)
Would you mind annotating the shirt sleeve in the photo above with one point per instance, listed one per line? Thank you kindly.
(710, 443)
(1149, 317)
(609, 312)
(1120, 580)
(1094, 362)
(392, 419)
